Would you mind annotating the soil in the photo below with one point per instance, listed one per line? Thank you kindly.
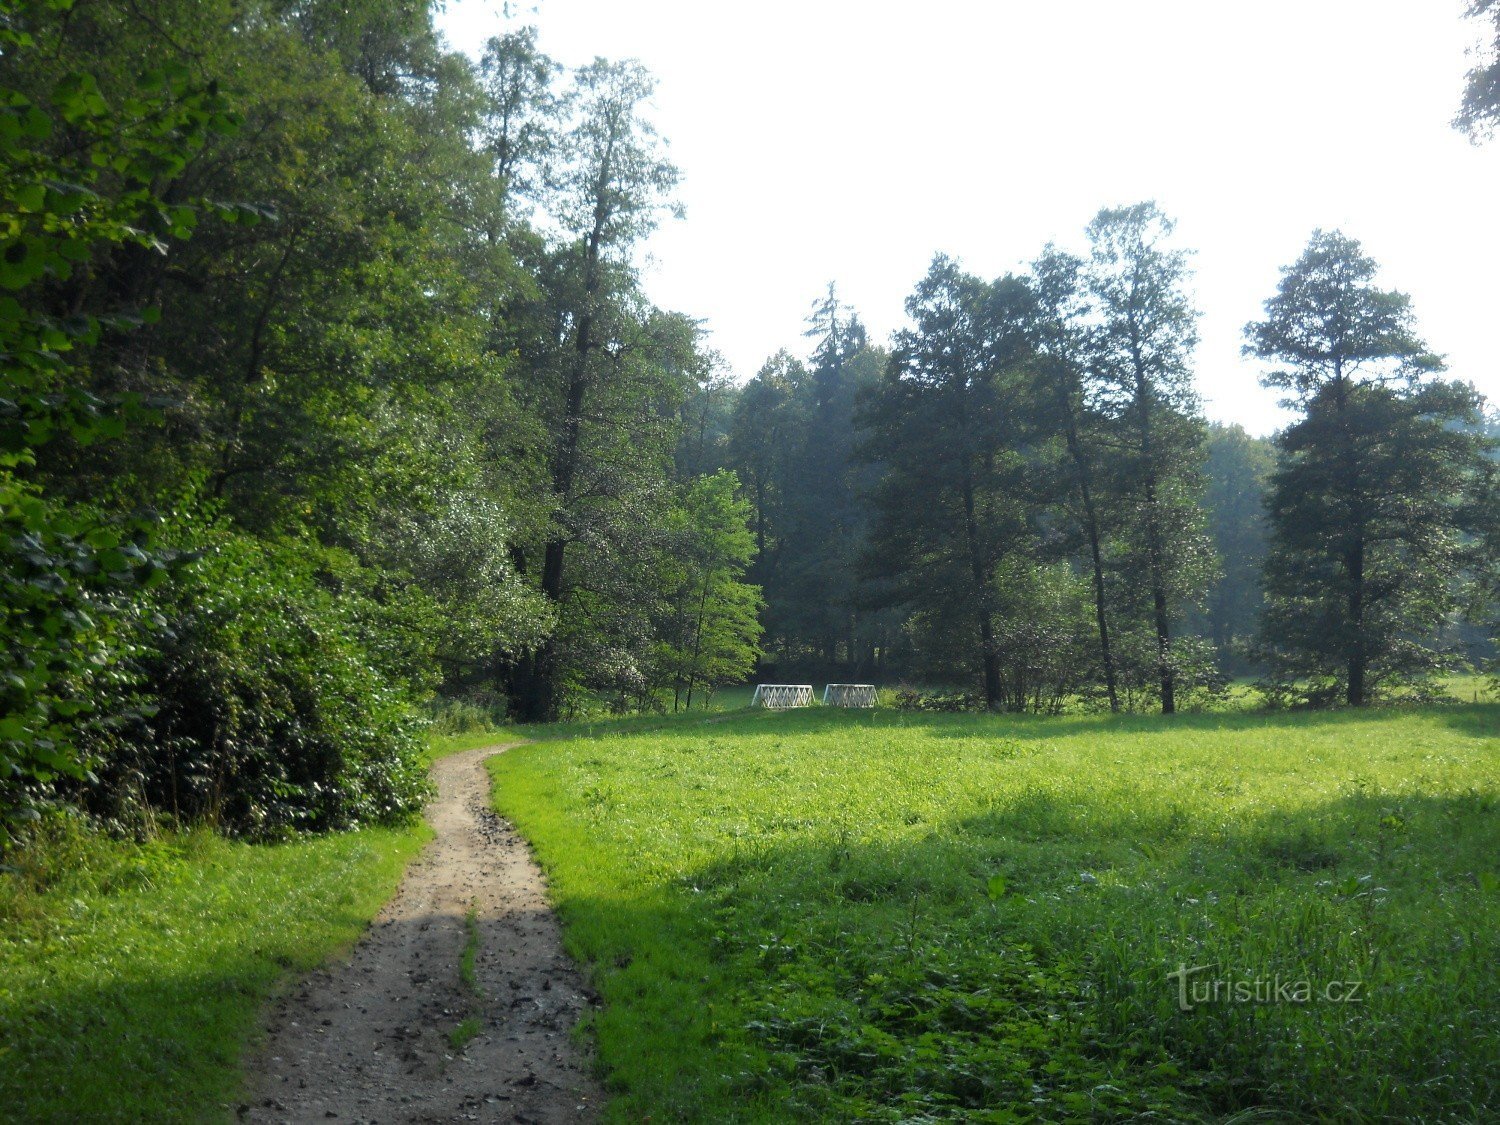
(368, 1039)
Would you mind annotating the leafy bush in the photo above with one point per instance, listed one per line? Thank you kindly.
(914, 699)
(1043, 636)
(1195, 670)
(77, 174)
(263, 711)
(69, 584)
(466, 716)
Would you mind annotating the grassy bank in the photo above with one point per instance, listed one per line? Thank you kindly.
(440, 746)
(880, 916)
(131, 976)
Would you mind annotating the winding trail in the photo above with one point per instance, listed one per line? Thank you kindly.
(368, 1039)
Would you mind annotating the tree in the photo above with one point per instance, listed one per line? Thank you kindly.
(313, 374)
(1141, 348)
(823, 516)
(837, 336)
(520, 111)
(1067, 406)
(712, 634)
(607, 189)
(765, 430)
(704, 419)
(79, 175)
(952, 503)
(1484, 610)
(1376, 483)
(1238, 469)
(1479, 112)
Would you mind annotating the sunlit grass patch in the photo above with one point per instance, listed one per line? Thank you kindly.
(881, 916)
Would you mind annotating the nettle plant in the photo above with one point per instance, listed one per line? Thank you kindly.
(79, 175)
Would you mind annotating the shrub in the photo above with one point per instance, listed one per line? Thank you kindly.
(469, 715)
(262, 710)
(1195, 668)
(70, 589)
(913, 699)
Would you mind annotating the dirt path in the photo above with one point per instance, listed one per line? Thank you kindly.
(367, 1040)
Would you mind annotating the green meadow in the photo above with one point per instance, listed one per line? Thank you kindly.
(822, 915)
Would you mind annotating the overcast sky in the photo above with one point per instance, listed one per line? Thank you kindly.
(833, 140)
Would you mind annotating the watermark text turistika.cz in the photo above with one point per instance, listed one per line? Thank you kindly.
(1194, 989)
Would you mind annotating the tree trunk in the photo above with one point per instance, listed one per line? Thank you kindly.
(1154, 551)
(1160, 614)
(1101, 616)
(539, 702)
(1096, 555)
(697, 641)
(988, 657)
(1356, 696)
(1356, 657)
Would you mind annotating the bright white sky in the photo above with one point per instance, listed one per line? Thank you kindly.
(834, 140)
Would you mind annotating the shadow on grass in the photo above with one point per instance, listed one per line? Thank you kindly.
(128, 1048)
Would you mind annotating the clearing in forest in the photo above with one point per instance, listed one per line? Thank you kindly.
(825, 915)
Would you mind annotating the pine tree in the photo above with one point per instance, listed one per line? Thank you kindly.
(1376, 485)
(1479, 112)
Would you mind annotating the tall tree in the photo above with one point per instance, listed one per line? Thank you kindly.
(765, 435)
(607, 190)
(1067, 406)
(952, 503)
(1479, 112)
(1376, 483)
(1147, 329)
(1238, 469)
(823, 523)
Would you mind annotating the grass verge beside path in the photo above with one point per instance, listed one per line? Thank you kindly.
(888, 917)
(441, 746)
(132, 976)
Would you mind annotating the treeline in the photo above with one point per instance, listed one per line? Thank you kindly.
(1022, 495)
(330, 390)
(331, 394)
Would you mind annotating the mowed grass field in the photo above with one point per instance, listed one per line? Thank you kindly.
(842, 916)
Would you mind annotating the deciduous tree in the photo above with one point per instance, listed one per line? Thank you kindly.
(953, 501)
(1141, 353)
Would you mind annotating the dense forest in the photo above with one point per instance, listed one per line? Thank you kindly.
(334, 400)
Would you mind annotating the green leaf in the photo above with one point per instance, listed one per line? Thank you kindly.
(29, 197)
(20, 263)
